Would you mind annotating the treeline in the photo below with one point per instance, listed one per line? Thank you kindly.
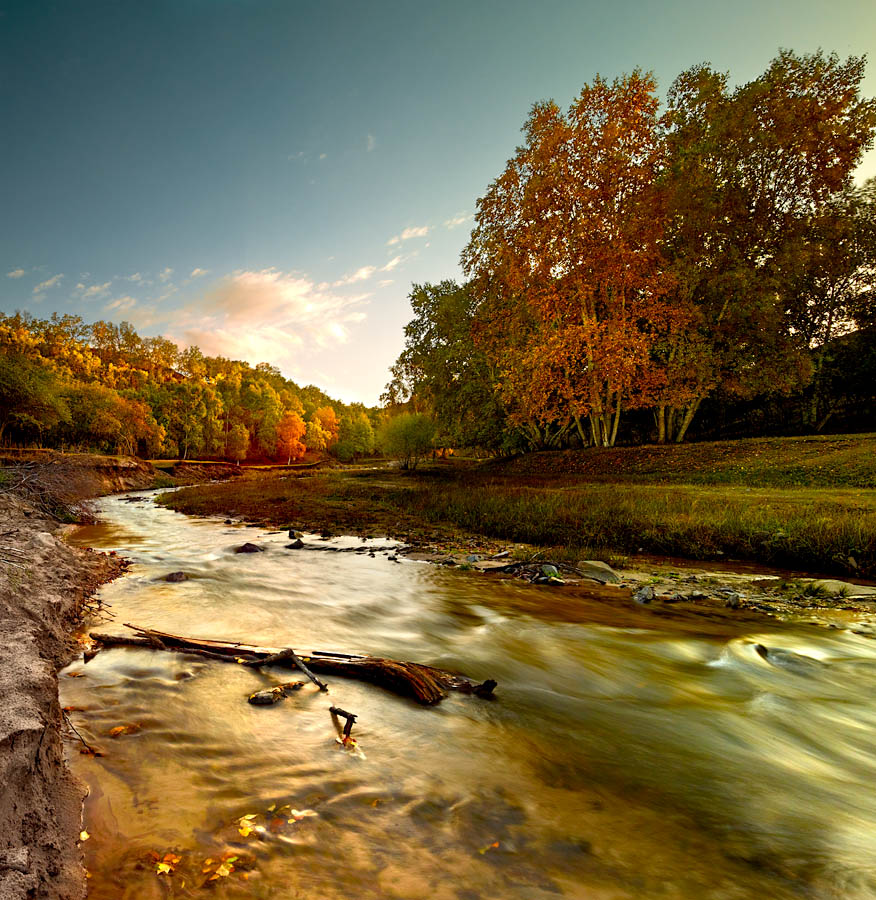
(70, 385)
(636, 267)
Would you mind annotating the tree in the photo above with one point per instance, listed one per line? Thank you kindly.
(747, 171)
(442, 369)
(408, 437)
(355, 436)
(565, 259)
(290, 430)
(30, 396)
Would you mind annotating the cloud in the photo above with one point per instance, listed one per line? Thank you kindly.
(362, 274)
(196, 272)
(121, 304)
(137, 277)
(95, 290)
(48, 283)
(457, 220)
(268, 315)
(164, 274)
(409, 233)
(323, 155)
(16, 273)
(370, 143)
(385, 282)
(392, 264)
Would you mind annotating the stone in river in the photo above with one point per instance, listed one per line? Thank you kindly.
(248, 548)
(176, 576)
(297, 544)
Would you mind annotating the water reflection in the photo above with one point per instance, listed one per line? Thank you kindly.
(626, 756)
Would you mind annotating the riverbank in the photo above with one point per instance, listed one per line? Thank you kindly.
(551, 504)
(44, 584)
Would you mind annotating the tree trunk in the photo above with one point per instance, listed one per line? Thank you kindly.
(425, 684)
(688, 418)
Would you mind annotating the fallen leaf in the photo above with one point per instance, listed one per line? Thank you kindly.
(124, 729)
(84, 835)
(76, 674)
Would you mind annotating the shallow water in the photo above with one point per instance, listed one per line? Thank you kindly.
(626, 755)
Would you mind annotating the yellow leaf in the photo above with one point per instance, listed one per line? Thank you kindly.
(164, 868)
(84, 835)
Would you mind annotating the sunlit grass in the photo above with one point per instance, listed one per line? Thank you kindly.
(813, 529)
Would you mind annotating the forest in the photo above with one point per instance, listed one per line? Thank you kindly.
(645, 274)
(70, 385)
(638, 273)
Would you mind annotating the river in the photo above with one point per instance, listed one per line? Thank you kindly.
(625, 755)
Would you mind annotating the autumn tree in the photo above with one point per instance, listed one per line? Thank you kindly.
(290, 431)
(565, 259)
(747, 171)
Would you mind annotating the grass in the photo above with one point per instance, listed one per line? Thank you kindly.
(811, 461)
(812, 529)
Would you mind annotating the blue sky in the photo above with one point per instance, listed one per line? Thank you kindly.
(267, 179)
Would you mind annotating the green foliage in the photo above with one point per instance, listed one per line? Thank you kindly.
(30, 397)
(408, 437)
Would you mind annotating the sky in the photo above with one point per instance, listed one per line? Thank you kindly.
(268, 179)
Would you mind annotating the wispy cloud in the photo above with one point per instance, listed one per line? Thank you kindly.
(370, 143)
(361, 274)
(16, 273)
(457, 220)
(197, 273)
(94, 290)
(164, 274)
(48, 283)
(268, 315)
(121, 304)
(392, 264)
(409, 233)
(136, 277)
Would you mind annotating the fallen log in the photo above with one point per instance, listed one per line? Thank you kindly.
(425, 684)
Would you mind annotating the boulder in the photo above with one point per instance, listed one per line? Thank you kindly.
(832, 588)
(297, 544)
(249, 548)
(598, 571)
(731, 600)
(176, 576)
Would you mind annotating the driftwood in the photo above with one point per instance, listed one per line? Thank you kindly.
(425, 684)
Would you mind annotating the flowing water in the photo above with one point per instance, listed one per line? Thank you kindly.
(626, 755)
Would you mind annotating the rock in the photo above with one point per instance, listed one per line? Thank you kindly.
(176, 576)
(229, 522)
(691, 579)
(392, 558)
(644, 594)
(502, 555)
(550, 571)
(598, 571)
(845, 589)
(295, 545)
(249, 548)
(731, 600)
(697, 595)
(473, 558)
(787, 659)
(674, 598)
(275, 694)
(295, 534)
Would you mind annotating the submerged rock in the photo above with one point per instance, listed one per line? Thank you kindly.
(249, 548)
(787, 659)
(276, 694)
(295, 545)
(732, 600)
(175, 576)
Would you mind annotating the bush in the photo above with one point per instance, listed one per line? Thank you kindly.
(407, 437)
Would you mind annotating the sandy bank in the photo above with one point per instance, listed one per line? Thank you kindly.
(43, 583)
